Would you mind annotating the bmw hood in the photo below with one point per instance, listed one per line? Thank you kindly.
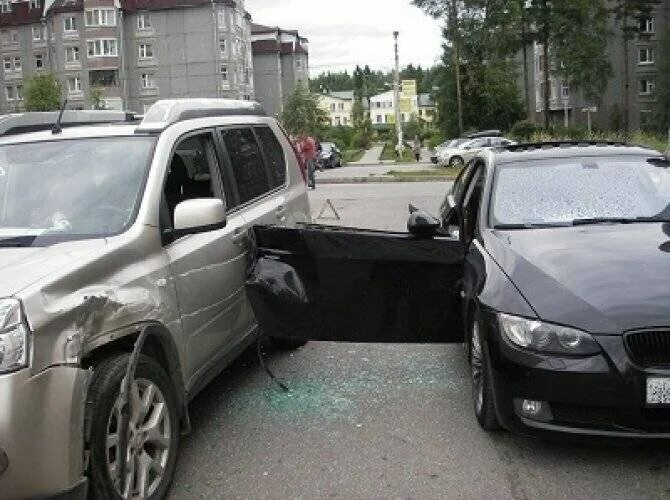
(22, 267)
(602, 278)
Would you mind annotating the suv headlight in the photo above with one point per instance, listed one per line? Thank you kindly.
(547, 338)
(13, 336)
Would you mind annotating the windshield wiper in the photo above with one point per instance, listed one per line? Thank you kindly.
(616, 220)
(17, 241)
(532, 225)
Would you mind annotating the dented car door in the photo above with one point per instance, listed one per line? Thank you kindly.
(355, 285)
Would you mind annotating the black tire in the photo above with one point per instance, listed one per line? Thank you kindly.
(485, 409)
(101, 400)
(455, 162)
(288, 345)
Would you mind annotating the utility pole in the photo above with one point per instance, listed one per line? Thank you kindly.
(456, 36)
(396, 96)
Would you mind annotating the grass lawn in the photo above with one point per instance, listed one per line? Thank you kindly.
(437, 173)
(352, 155)
(389, 154)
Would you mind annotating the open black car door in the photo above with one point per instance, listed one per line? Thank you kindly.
(354, 285)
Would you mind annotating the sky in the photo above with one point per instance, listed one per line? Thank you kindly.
(344, 33)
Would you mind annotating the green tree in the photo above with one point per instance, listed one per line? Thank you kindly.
(96, 96)
(43, 93)
(303, 115)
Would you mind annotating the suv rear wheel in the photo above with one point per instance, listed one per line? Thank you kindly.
(153, 433)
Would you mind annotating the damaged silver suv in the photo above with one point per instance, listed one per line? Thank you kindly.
(123, 257)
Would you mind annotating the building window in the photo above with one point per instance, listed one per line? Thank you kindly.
(72, 54)
(17, 63)
(70, 25)
(222, 47)
(101, 17)
(646, 56)
(103, 78)
(246, 76)
(35, 4)
(332, 106)
(38, 33)
(298, 62)
(380, 119)
(14, 93)
(143, 22)
(647, 87)
(5, 8)
(221, 17)
(341, 106)
(146, 51)
(102, 48)
(39, 61)
(148, 81)
(224, 72)
(565, 91)
(14, 36)
(74, 85)
(647, 25)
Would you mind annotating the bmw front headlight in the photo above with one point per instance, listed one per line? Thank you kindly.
(13, 336)
(546, 337)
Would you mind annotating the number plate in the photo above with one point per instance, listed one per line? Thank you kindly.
(658, 391)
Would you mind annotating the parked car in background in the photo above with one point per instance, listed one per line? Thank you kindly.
(330, 156)
(114, 233)
(438, 151)
(463, 151)
(551, 264)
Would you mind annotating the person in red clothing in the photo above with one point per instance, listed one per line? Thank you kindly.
(307, 146)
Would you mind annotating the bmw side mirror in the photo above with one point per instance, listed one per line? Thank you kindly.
(421, 224)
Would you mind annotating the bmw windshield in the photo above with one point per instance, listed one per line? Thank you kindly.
(71, 189)
(574, 191)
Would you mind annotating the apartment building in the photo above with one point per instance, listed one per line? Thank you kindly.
(636, 93)
(281, 62)
(132, 52)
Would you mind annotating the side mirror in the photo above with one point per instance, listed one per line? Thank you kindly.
(421, 224)
(199, 215)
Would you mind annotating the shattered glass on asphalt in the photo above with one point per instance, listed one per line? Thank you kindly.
(555, 191)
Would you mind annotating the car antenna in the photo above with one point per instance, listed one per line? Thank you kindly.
(57, 129)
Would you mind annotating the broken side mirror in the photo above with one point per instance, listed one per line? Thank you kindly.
(421, 224)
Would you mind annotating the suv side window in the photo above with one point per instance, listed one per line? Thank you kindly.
(193, 173)
(274, 155)
(247, 164)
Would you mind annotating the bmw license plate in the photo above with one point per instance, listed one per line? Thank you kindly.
(658, 391)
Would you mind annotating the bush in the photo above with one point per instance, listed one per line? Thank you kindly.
(524, 129)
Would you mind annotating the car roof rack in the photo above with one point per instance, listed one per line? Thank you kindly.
(533, 146)
(484, 133)
(170, 111)
(21, 123)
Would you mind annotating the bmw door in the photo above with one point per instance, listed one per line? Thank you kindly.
(354, 285)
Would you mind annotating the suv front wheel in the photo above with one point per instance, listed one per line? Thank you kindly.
(153, 432)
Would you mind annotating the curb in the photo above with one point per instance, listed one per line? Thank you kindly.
(383, 179)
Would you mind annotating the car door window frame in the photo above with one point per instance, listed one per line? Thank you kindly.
(266, 161)
(478, 171)
(231, 170)
(216, 179)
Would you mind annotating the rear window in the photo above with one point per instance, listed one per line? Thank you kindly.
(274, 155)
(247, 163)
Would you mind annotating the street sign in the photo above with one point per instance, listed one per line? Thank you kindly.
(592, 109)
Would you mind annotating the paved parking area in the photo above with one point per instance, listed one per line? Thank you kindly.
(384, 421)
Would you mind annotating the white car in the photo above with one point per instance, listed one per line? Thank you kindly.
(461, 151)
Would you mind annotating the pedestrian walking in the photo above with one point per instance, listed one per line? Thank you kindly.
(308, 150)
(416, 148)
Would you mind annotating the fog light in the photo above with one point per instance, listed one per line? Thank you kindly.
(534, 410)
(4, 461)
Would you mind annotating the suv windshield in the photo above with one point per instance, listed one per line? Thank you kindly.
(580, 190)
(71, 189)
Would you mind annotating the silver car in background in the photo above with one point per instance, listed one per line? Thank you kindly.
(111, 233)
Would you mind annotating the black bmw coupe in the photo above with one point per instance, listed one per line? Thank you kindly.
(551, 264)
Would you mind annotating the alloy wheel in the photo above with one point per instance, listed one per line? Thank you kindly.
(477, 367)
(149, 436)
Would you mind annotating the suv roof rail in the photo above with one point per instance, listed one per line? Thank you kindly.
(530, 146)
(20, 123)
(170, 111)
(484, 133)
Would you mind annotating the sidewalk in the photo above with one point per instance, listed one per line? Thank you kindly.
(354, 174)
(371, 156)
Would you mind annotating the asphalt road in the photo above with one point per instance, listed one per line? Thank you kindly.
(384, 421)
